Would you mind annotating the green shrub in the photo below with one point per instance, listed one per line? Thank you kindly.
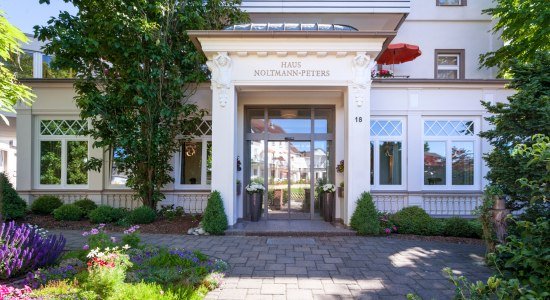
(106, 214)
(476, 229)
(462, 228)
(142, 215)
(522, 264)
(45, 205)
(86, 205)
(68, 212)
(13, 207)
(413, 220)
(365, 218)
(214, 220)
(437, 227)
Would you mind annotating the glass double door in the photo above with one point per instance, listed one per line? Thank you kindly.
(289, 181)
(289, 152)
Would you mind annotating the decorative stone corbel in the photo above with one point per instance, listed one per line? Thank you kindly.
(220, 66)
(362, 65)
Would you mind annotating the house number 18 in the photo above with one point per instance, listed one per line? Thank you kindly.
(358, 119)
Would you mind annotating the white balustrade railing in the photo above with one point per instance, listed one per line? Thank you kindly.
(451, 204)
(390, 202)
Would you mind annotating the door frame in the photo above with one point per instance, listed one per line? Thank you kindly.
(266, 137)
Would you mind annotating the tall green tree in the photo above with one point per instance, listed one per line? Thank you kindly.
(524, 26)
(11, 90)
(136, 69)
(526, 113)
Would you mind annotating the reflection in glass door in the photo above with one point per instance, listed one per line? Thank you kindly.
(289, 180)
(289, 152)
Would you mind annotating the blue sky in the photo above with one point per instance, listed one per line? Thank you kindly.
(26, 13)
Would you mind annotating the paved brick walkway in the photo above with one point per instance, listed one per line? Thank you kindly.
(329, 267)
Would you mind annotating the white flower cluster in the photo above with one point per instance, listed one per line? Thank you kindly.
(41, 231)
(255, 188)
(98, 253)
(329, 188)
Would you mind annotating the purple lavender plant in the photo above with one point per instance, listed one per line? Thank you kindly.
(23, 249)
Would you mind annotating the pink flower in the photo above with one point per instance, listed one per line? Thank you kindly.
(86, 233)
(85, 247)
(387, 230)
(394, 228)
(113, 239)
(94, 231)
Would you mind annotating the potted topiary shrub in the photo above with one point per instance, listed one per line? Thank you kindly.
(255, 192)
(329, 205)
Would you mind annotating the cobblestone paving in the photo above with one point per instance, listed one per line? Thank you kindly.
(329, 267)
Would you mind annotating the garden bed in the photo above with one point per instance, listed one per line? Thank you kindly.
(176, 225)
(105, 268)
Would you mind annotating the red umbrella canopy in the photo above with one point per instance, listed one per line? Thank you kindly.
(399, 53)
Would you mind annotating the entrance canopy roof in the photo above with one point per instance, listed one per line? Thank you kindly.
(290, 27)
(290, 41)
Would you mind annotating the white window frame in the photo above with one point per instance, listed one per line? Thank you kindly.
(449, 67)
(202, 186)
(377, 140)
(3, 161)
(460, 3)
(448, 153)
(63, 139)
(204, 139)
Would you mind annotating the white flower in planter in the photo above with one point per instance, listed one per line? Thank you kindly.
(329, 188)
(255, 188)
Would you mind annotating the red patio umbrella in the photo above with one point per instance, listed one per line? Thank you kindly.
(399, 53)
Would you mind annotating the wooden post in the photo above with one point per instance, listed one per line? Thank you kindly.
(499, 218)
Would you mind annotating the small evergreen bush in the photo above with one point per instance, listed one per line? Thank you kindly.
(68, 212)
(437, 227)
(457, 227)
(476, 229)
(106, 214)
(45, 205)
(214, 220)
(365, 218)
(142, 215)
(86, 205)
(413, 220)
(13, 207)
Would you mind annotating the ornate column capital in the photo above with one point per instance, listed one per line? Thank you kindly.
(220, 66)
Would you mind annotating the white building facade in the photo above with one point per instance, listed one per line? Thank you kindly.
(292, 95)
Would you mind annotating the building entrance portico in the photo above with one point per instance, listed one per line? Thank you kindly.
(282, 61)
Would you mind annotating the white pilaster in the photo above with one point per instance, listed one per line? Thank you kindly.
(24, 150)
(224, 133)
(357, 151)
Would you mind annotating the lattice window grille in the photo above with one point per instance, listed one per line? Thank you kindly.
(204, 128)
(63, 127)
(386, 128)
(448, 128)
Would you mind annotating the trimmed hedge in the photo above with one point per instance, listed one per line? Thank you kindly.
(106, 214)
(13, 206)
(86, 205)
(68, 212)
(365, 217)
(214, 220)
(45, 205)
(142, 215)
(413, 220)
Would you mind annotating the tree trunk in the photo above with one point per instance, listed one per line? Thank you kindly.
(499, 219)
